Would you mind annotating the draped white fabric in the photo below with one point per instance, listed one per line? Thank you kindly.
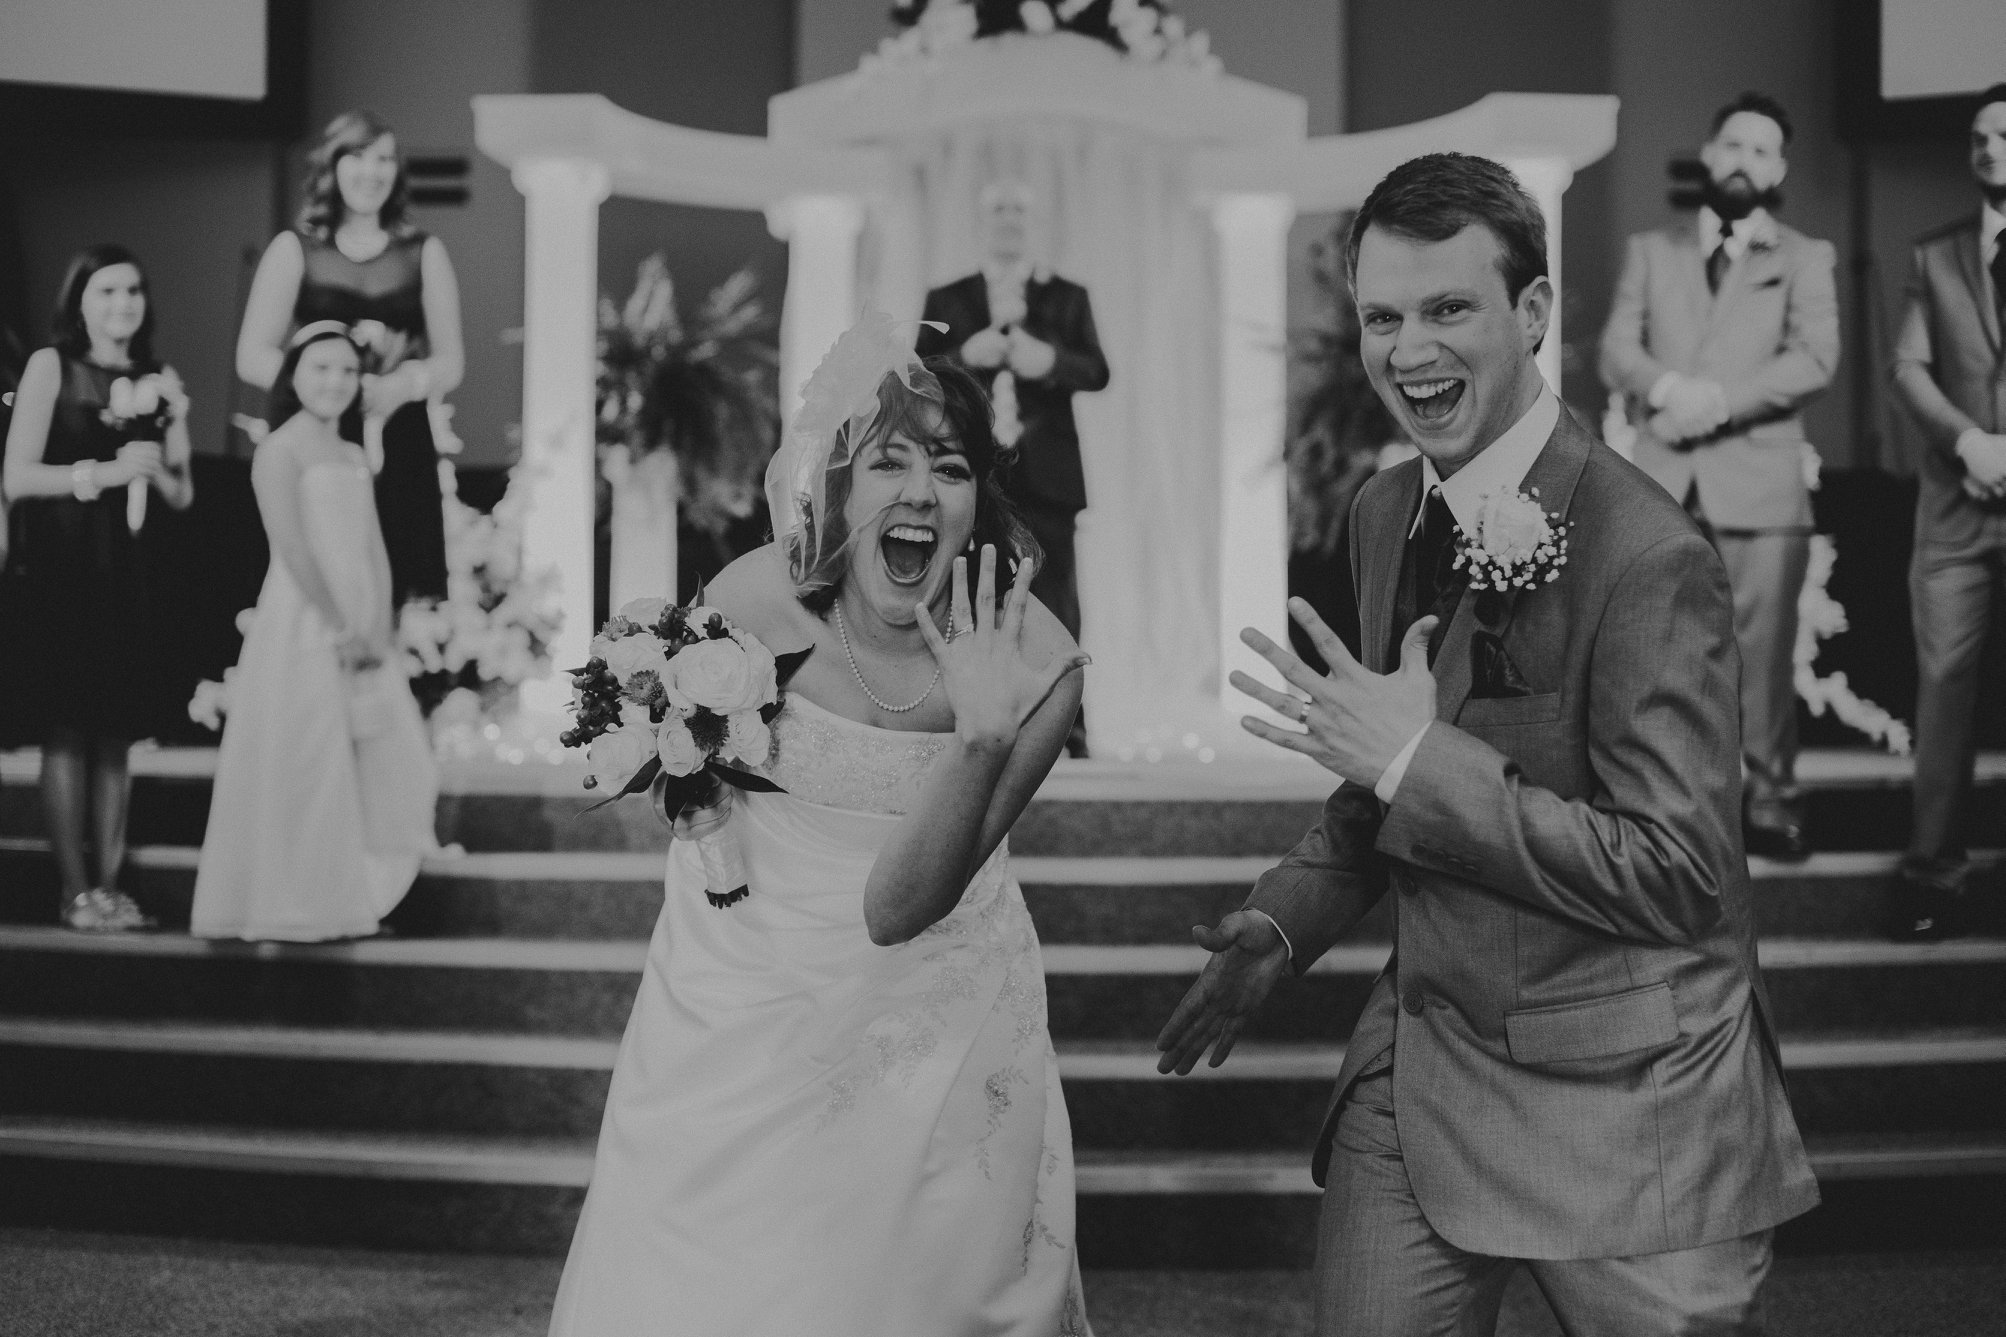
(1114, 213)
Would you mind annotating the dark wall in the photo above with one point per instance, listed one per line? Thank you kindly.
(1407, 62)
(694, 63)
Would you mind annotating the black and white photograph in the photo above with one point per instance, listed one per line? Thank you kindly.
(1002, 668)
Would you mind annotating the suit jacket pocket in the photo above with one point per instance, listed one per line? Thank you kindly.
(1493, 711)
(1617, 1023)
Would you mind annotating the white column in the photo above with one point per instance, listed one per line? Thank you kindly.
(642, 563)
(559, 366)
(1548, 179)
(821, 234)
(1253, 420)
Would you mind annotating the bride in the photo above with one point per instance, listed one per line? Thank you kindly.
(836, 1109)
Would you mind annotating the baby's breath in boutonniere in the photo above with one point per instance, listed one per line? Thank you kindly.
(1517, 545)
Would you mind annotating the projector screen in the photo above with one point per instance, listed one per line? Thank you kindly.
(193, 48)
(1941, 48)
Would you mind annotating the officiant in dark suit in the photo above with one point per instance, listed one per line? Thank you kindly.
(1567, 1063)
(1950, 370)
(1028, 335)
(1722, 329)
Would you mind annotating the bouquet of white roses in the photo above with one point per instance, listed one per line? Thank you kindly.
(676, 701)
(141, 409)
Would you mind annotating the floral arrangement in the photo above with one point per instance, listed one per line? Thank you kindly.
(708, 390)
(140, 410)
(671, 698)
(468, 653)
(1517, 545)
(1142, 30)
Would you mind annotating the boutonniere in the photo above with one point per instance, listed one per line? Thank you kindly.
(1517, 545)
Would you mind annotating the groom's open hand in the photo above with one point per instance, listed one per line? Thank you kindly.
(1248, 955)
(1355, 721)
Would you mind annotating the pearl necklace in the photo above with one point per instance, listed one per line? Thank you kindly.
(877, 700)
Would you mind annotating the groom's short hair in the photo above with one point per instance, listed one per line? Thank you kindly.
(1435, 196)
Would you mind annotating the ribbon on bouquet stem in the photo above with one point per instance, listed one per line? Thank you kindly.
(135, 504)
(725, 882)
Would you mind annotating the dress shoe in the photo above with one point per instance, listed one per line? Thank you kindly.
(1783, 842)
(1927, 905)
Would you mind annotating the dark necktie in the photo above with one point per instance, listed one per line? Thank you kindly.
(1718, 261)
(1431, 581)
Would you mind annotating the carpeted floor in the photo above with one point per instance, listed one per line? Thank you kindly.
(64, 1285)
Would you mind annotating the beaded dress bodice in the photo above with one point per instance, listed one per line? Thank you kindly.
(821, 757)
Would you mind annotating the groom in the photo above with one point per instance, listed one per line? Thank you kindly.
(1569, 1060)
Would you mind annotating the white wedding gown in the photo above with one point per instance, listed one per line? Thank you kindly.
(315, 833)
(809, 1135)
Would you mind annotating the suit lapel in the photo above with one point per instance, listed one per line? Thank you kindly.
(1973, 264)
(1552, 479)
(1382, 545)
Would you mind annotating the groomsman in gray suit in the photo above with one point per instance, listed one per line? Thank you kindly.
(1722, 329)
(1950, 369)
(1568, 1062)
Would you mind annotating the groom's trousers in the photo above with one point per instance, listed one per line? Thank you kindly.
(1382, 1271)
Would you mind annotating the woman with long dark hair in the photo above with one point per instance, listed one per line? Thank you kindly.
(836, 1109)
(325, 784)
(355, 257)
(100, 424)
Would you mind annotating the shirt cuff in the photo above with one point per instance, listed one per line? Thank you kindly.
(1278, 929)
(1396, 771)
(1661, 390)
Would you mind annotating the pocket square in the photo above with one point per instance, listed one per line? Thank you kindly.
(1770, 282)
(1492, 672)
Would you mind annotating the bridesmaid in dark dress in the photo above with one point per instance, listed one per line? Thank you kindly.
(99, 426)
(353, 257)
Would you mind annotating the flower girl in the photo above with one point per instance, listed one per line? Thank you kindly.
(325, 785)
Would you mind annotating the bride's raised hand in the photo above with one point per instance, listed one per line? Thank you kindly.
(991, 683)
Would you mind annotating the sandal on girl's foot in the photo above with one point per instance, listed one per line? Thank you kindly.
(100, 910)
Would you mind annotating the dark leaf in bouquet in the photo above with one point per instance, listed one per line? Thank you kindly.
(746, 780)
(638, 785)
(785, 665)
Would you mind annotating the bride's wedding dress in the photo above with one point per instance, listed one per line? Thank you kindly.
(811, 1134)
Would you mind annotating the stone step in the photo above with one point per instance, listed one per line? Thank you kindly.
(453, 1191)
(1857, 801)
(600, 894)
(1269, 1095)
(585, 987)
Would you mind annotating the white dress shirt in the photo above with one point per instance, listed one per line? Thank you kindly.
(1005, 284)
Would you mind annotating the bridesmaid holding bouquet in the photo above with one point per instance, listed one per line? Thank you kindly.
(99, 425)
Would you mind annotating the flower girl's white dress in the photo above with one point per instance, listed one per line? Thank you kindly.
(809, 1134)
(325, 784)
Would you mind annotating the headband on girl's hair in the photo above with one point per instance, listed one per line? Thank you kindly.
(308, 333)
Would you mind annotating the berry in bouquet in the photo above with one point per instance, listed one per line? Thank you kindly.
(676, 702)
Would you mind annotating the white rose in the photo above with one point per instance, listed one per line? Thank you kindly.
(602, 646)
(677, 748)
(716, 675)
(680, 706)
(1037, 17)
(616, 754)
(643, 612)
(120, 397)
(637, 654)
(1509, 527)
(749, 739)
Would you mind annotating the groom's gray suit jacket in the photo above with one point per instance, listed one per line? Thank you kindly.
(1583, 1062)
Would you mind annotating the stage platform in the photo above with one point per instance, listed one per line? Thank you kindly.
(440, 1088)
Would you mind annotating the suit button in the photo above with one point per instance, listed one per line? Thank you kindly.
(1408, 886)
(1413, 1002)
